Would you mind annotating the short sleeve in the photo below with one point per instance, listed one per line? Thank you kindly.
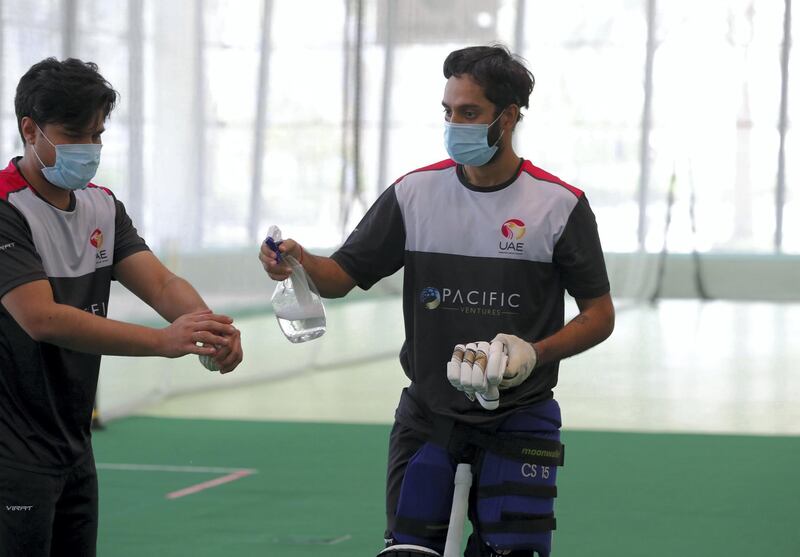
(578, 254)
(19, 261)
(376, 247)
(127, 241)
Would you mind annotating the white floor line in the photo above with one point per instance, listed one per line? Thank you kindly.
(231, 475)
(192, 489)
(340, 539)
(170, 468)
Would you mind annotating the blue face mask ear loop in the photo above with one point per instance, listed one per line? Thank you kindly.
(34, 147)
(499, 137)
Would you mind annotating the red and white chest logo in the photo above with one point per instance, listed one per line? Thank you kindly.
(512, 231)
(96, 238)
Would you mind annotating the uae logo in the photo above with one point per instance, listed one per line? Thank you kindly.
(96, 238)
(513, 229)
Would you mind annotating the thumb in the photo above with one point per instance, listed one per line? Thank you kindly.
(502, 337)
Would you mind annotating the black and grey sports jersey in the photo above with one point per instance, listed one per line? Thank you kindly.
(47, 392)
(478, 261)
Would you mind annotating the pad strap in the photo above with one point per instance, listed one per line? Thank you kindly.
(514, 523)
(515, 489)
(420, 528)
(523, 449)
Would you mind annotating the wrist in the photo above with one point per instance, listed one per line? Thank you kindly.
(535, 355)
(158, 342)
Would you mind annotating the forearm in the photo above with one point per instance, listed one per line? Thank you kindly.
(589, 328)
(78, 330)
(175, 298)
(329, 278)
(170, 295)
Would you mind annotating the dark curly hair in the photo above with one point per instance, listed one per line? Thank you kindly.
(68, 92)
(504, 78)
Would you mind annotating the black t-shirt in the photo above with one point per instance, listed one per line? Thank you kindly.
(477, 262)
(47, 392)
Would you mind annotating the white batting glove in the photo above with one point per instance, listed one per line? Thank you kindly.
(522, 359)
(476, 369)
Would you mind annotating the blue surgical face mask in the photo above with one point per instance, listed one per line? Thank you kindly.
(469, 143)
(76, 164)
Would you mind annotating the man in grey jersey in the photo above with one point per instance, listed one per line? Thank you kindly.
(489, 244)
(62, 241)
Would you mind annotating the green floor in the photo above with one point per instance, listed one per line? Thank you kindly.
(318, 491)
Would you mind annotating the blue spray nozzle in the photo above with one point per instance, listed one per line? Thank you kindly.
(273, 245)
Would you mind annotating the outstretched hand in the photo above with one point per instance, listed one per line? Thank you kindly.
(182, 336)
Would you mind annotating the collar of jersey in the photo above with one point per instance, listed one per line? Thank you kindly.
(464, 182)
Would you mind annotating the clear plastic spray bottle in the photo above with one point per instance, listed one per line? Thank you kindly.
(296, 300)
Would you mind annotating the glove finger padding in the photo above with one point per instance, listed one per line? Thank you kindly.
(489, 395)
(466, 368)
(454, 366)
(481, 360)
(498, 359)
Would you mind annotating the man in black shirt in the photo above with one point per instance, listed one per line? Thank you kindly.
(489, 243)
(62, 241)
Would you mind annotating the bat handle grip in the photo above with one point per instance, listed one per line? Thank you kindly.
(458, 512)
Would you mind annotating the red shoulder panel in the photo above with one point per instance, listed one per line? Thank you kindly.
(545, 176)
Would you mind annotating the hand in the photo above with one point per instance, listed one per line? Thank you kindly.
(279, 271)
(227, 357)
(522, 359)
(181, 337)
(466, 366)
(476, 368)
